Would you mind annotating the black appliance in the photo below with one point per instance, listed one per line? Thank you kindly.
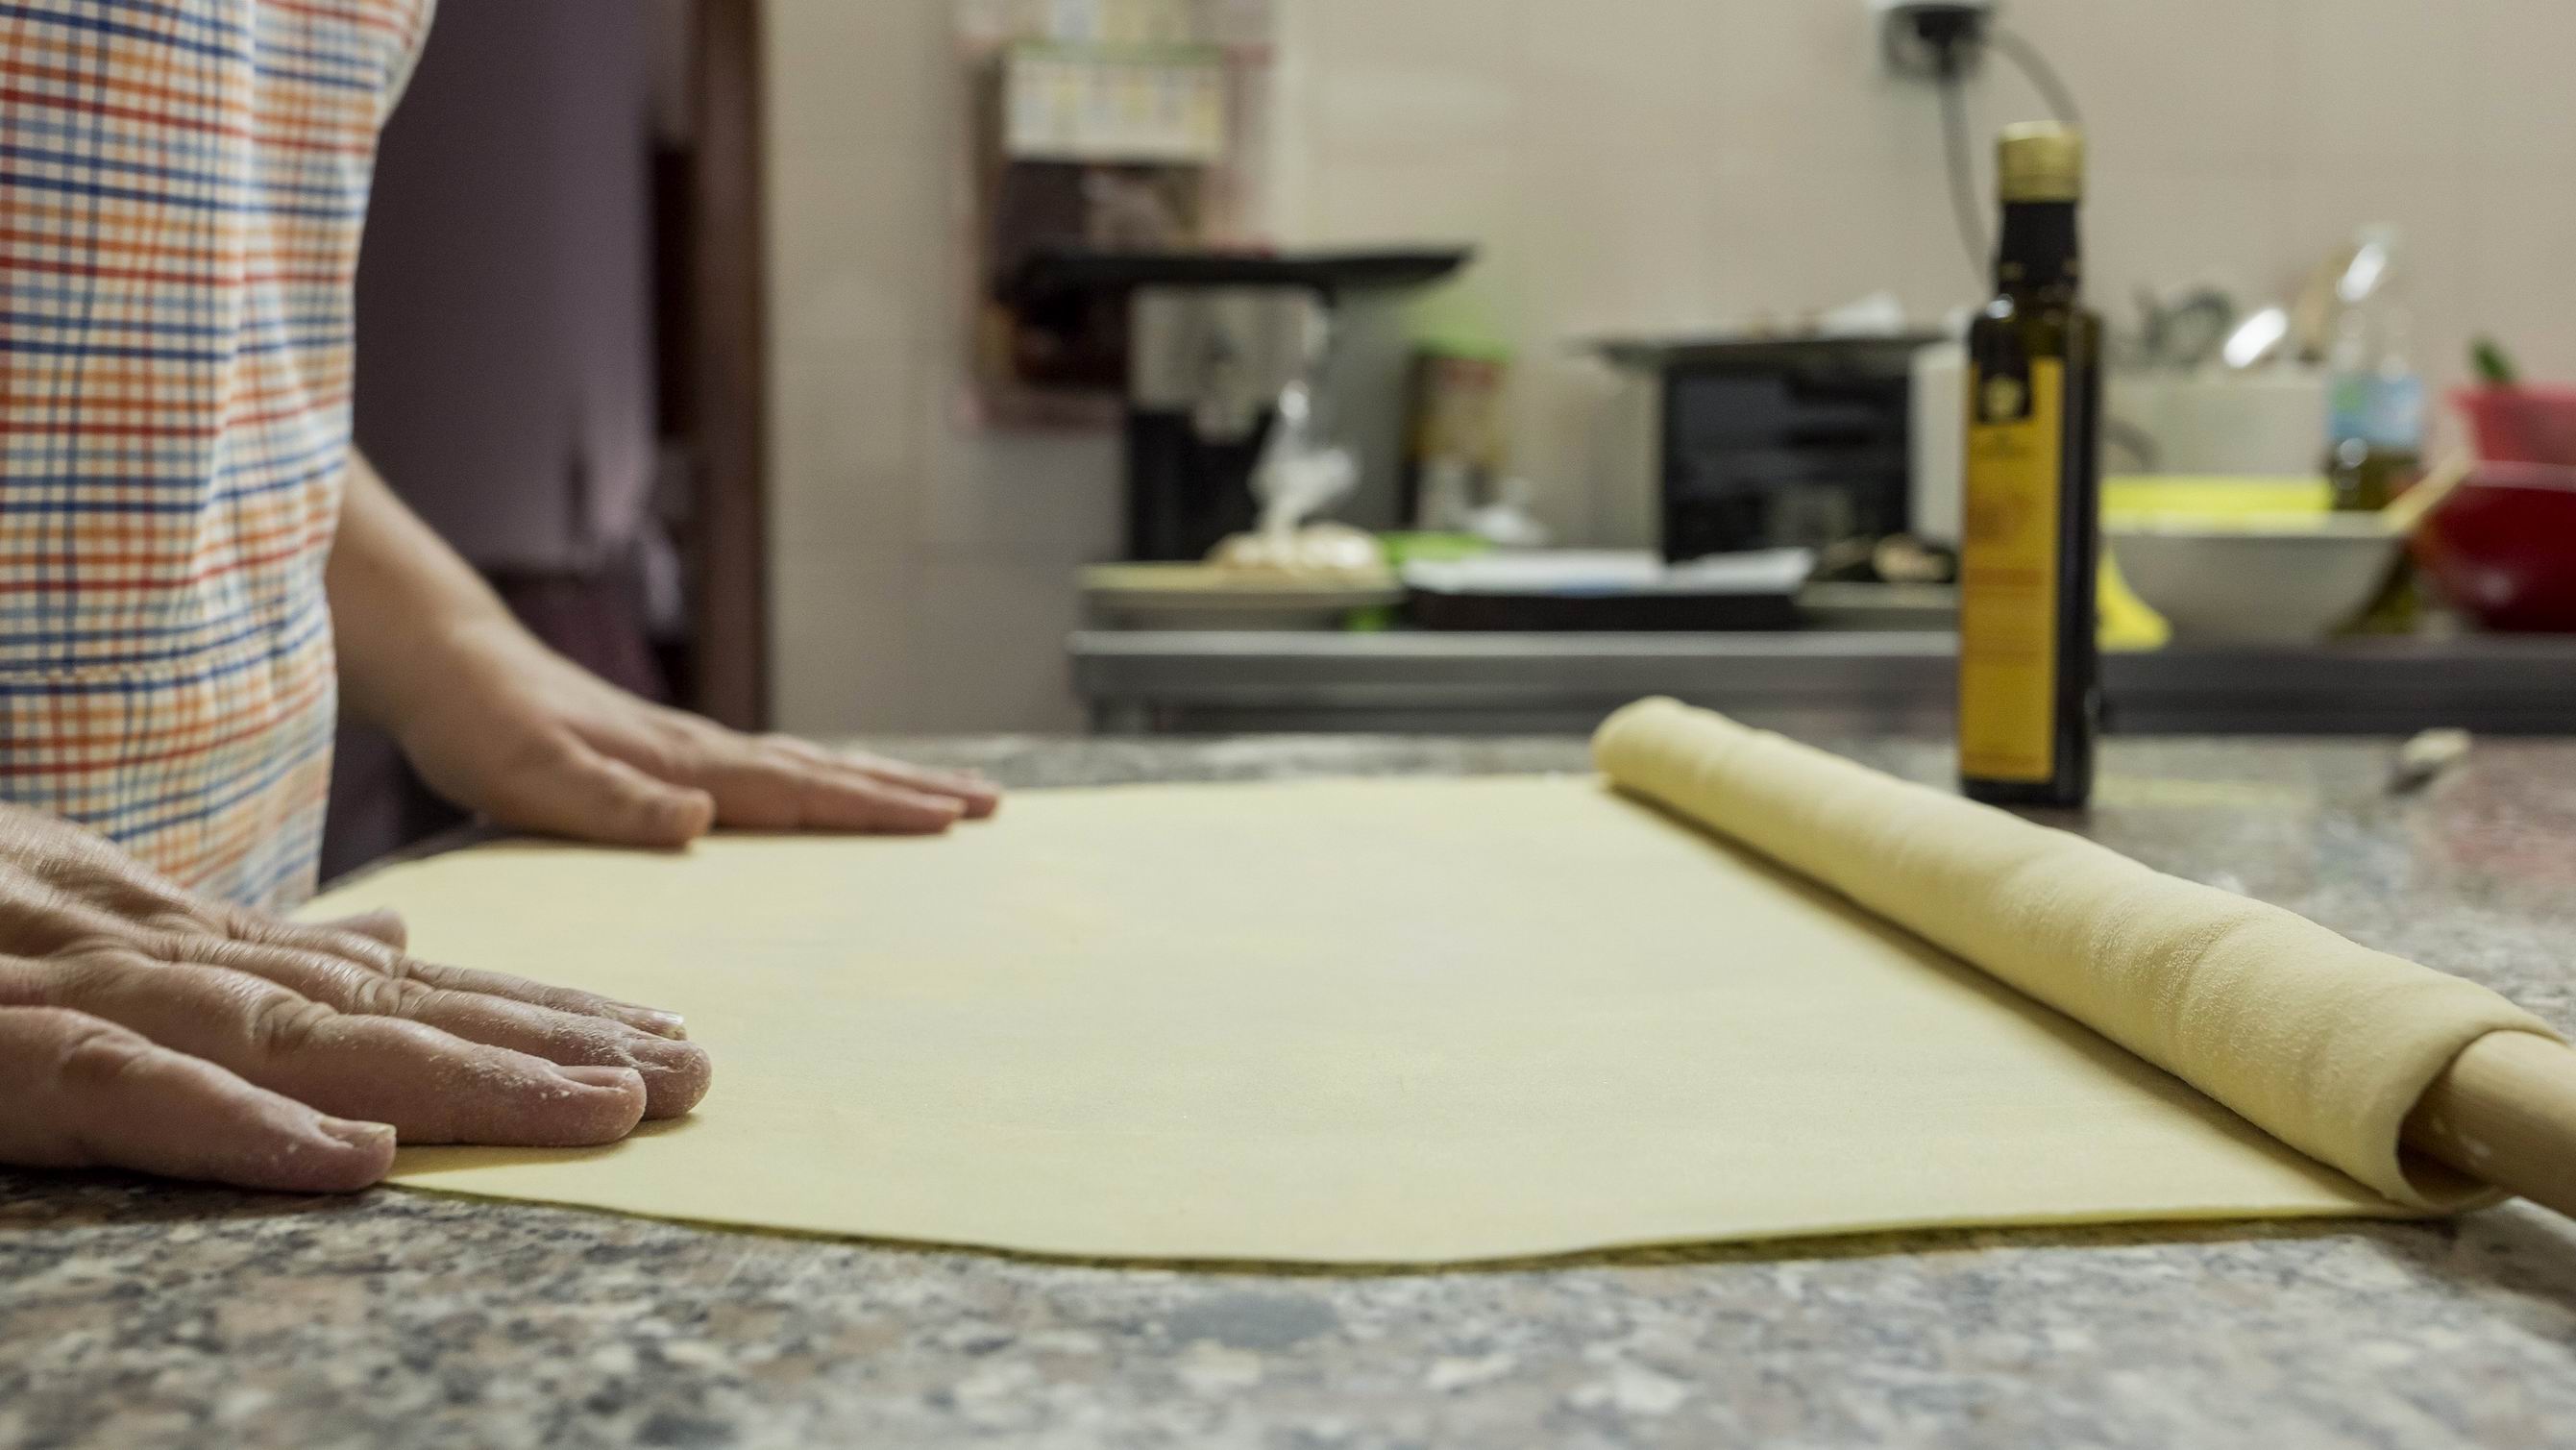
(1778, 442)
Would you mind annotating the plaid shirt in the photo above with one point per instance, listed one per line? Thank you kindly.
(182, 184)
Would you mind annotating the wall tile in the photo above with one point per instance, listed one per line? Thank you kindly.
(1797, 237)
(1422, 74)
(2382, 81)
(1050, 498)
(1802, 79)
(1368, 193)
(922, 643)
(846, 446)
(2163, 83)
(2520, 98)
(2521, 216)
(845, 69)
(1620, 231)
(856, 236)
(1635, 72)
(989, 647)
(843, 623)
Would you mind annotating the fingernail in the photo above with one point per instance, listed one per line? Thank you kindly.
(620, 1078)
(373, 1137)
(658, 1022)
(382, 916)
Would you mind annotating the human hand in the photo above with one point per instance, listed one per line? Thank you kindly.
(145, 1027)
(515, 732)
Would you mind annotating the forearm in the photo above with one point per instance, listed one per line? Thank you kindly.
(404, 605)
(507, 728)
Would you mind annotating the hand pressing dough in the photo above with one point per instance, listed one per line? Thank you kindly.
(1350, 1022)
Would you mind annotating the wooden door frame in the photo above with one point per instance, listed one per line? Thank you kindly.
(728, 270)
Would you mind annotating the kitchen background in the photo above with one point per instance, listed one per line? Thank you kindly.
(749, 456)
(1653, 166)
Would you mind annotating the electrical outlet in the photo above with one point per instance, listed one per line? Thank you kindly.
(1913, 35)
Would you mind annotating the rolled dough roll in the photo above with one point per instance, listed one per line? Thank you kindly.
(2323, 1043)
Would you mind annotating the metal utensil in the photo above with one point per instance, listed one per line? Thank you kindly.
(2314, 312)
(2182, 331)
(2256, 340)
(2195, 326)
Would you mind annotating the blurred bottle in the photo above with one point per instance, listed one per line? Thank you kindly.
(2031, 489)
(2375, 408)
(2374, 398)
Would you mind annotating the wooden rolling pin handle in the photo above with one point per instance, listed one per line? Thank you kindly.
(2504, 1112)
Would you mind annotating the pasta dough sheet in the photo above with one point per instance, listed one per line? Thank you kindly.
(1345, 1022)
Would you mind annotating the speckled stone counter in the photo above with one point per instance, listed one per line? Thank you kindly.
(136, 1314)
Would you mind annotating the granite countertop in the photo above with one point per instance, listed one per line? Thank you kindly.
(137, 1314)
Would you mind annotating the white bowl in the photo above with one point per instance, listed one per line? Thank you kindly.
(2252, 581)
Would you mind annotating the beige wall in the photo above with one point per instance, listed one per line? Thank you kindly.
(921, 573)
(1641, 164)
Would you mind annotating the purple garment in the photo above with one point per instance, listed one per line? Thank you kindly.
(505, 311)
(505, 344)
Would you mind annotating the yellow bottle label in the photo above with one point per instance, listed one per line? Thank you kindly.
(2008, 602)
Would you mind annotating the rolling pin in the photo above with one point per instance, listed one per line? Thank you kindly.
(2504, 1113)
(2361, 1060)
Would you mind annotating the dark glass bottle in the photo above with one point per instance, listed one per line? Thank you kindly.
(2029, 701)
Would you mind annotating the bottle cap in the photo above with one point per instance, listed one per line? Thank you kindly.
(2040, 161)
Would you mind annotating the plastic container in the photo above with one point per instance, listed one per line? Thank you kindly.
(2521, 424)
(2503, 547)
(2374, 396)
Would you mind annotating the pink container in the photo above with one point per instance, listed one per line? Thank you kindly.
(2504, 546)
(2522, 424)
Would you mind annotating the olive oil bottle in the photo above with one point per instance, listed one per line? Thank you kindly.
(2028, 699)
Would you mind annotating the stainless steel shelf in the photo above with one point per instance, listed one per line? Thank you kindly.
(1893, 682)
